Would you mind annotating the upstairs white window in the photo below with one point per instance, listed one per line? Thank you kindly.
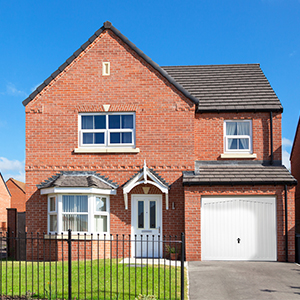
(107, 130)
(238, 136)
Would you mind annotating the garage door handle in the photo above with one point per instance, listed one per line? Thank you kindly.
(238, 240)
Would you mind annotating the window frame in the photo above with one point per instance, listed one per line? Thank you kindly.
(106, 131)
(91, 198)
(52, 212)
(250, 137)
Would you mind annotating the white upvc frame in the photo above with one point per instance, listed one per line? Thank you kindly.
(142, 178)
(249, 137)
(52, 212)
(106, 131)
(91, 213)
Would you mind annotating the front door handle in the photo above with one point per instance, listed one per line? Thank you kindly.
(158, 229)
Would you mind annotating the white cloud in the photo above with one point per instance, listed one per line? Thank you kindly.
(286, 142)
(286, 159)
(35, 87)
(12, 168)
(286, 149)
(13, 91)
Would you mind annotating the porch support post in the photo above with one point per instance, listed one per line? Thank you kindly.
(167, 201)
(126, 200)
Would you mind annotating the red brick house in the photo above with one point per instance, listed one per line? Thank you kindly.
(4, 203)
(18, 194)
(117, 144)
(295, 169)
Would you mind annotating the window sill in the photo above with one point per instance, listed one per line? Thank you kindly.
(106, 150)
(83, 237)
(238, 155)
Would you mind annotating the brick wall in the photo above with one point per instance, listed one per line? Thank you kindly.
(18, 196)
(210, 127)
(167, 134)
(193, 212)
(295, 169)
(4, 203)
(132, 86)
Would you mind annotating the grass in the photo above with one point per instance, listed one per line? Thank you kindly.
(97, 279)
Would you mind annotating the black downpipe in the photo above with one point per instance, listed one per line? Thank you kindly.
(286, 224)
(271, 136)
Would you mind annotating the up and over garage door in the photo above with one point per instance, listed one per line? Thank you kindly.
(238, 228)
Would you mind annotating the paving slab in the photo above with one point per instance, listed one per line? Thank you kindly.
(243, 280)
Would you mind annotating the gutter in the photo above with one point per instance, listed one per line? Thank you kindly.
(285, 183)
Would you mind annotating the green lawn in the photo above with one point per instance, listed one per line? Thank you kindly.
(104, 280)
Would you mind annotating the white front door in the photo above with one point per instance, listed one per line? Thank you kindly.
(238, 228)
(146, 225)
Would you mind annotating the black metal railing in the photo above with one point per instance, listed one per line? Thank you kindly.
(81, 266)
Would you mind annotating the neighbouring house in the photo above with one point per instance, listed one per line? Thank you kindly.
(117, 144)
(295, 169)
(18, 194)
(5, 197)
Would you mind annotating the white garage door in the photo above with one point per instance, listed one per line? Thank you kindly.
(238, 228)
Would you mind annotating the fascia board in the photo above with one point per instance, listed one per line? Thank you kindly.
(77, 190)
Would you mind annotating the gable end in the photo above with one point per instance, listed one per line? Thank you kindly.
(108, 25)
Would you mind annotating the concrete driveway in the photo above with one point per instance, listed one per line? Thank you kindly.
(243, 280)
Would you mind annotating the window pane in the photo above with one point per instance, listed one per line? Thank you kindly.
(231, 128)
(127, 121)
(115, 138)
(114, 121)
(52, 203)
(101, 223)
(232, 144)
(100, 122)
(243, 128)
(87, 122)
(75, 222)
(100, 204)
(140, 214)
(88, 138)
(75, 203)
(152, 218)
(53, 222)
(243, 143)
(126, 137)
(99, 138)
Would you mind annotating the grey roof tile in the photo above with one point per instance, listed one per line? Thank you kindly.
(78, 179)
(239, 174)
(241, 87)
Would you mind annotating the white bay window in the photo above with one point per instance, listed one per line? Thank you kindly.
(80, 213)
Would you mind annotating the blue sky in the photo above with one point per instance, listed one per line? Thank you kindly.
(38, 36)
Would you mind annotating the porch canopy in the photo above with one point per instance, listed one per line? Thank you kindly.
(146, 176)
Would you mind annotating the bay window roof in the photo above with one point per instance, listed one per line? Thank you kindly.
(86, 180)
